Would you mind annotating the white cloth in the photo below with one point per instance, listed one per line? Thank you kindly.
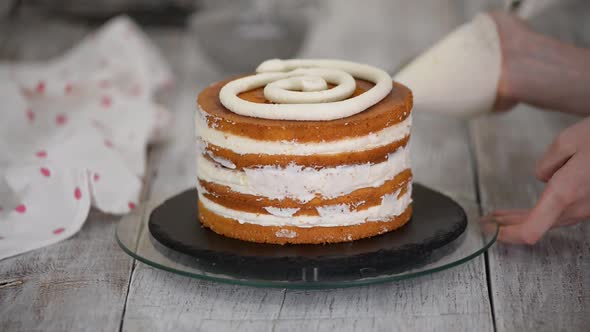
(73, 135)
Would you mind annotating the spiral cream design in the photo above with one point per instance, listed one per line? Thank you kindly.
(299, 90)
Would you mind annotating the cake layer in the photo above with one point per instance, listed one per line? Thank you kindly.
(391, 205)
(357, 200)
(244, 145)
(230, 159)
(392, 110)
(298, 235)
(242, 152)
(304, 183)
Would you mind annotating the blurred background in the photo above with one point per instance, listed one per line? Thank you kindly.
(206, 40)
(234, 36)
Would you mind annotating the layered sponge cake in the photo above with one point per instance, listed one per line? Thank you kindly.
(304, 151)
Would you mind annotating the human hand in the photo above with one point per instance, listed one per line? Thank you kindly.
(565, 168)
(513, 33)
(539, 70)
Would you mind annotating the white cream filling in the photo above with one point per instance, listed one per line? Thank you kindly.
(303, 184)
(221, 161)
(245, 145)
(390, 206)
(330, 210)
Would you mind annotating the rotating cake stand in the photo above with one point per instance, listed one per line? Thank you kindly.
(439, 236)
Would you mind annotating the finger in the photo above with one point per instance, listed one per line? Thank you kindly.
(559, 152)
(572, 215)
(537, 222)
(505, 219)
(490, 222)
(510, 234)
(496, 213)
(513, 219)
(507, 233)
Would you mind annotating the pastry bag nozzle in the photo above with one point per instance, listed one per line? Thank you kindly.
(459, 74)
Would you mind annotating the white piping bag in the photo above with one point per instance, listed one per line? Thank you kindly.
(459, 74)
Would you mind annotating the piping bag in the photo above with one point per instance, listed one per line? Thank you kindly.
(459, 75)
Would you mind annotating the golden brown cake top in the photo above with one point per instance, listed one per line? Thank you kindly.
(393, 109)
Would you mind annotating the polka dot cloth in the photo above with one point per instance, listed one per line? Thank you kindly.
(74, 132)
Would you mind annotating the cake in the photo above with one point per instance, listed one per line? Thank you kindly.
(304, 152)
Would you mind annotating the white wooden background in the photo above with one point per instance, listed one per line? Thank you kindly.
(88, 283)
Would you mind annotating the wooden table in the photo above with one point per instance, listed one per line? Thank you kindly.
(88, 283)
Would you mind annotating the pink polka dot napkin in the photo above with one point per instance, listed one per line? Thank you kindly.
(73, 135)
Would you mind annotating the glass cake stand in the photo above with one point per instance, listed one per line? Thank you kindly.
(135, 238)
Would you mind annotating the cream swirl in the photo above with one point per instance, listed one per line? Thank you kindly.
(299, 90)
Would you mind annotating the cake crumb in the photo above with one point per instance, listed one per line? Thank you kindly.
(281, 212)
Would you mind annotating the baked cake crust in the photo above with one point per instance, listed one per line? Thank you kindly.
(393, 109)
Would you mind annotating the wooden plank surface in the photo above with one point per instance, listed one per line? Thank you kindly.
(545, 287)
(454, 299)
(78, 284)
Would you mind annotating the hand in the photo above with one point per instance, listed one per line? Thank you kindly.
(513, 33)
(539, 70)
(565, 168)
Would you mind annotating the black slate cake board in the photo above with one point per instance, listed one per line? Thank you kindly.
(437, 221)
